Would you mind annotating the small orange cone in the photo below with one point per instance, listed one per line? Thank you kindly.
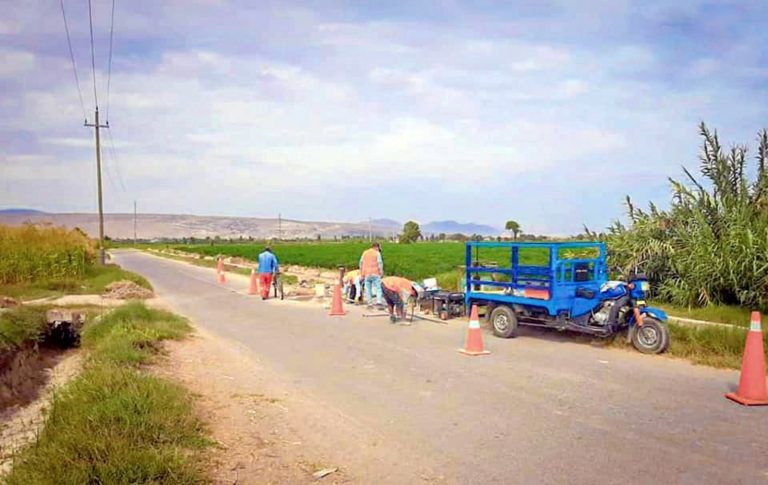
(473, 345)
(220, 271)
(337, 307)
(752, 390)
(253, 288)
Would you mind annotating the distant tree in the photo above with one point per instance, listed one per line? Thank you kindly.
(411, 232)
(513, 226)
(441, 236)
(457, 237)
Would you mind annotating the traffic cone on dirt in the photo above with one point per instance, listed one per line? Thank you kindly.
(253, 288)
(473, 345)
(337, 307)
(752, 389)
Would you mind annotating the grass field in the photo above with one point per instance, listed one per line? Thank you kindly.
(116, 423)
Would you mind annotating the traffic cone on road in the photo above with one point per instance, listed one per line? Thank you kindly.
(220, 271)
(337, 307)
(473, 345)
(752, 389)
(253, 288)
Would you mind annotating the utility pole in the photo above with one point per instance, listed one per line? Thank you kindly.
(279, 226)
(370, 234)
(134, 223)
(97, 126)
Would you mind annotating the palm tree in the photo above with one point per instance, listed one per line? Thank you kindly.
(513, 226)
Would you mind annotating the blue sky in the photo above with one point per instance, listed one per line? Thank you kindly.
(548, 112)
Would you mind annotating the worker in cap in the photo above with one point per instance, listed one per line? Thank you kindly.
(371, 271)
(397, 292)
(268, 266)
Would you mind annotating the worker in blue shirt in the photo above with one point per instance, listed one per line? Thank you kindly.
(267, 267)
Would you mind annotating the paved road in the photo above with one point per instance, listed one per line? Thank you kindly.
(540, 409)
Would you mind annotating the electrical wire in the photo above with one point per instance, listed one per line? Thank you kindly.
(93, 54)
(109, 68)
(72, 58)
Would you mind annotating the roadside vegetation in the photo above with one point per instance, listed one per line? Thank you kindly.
(44, 261)
(21, 325)
(116, 423)
(711, 245)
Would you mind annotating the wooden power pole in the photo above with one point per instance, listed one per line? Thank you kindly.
(97, 126)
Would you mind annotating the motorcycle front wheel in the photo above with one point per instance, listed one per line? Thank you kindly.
(651, 338)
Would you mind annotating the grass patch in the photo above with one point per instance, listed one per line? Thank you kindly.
(94, 281)
(115, 423)
(20, 325)
(709, 345)
(732, 315)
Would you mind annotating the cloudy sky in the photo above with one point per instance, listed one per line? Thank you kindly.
(545, 111)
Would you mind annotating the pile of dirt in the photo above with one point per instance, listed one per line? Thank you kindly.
(8, 302)
(127, 290)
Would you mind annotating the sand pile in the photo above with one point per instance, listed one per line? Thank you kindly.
(127, 290)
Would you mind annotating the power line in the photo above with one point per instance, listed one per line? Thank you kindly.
(109, 68)
(72, 58)
(93, 54)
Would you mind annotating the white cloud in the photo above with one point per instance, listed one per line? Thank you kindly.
(15, 62)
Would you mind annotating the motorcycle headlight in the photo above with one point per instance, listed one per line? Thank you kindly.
(645, 286)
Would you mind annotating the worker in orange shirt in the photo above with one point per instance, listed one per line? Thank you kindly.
(397, 292)
(371, 271)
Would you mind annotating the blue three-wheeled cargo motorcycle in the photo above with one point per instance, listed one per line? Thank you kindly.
(563, 286)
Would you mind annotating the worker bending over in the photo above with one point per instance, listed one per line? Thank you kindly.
(352, 286)
(371, 271)
(397, 292)
(267, 267)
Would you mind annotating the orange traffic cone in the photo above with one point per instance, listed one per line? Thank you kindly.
(473, 345)
(253, 288)
(337, 307)
(220, 265)
(222, 278)
(752, 390)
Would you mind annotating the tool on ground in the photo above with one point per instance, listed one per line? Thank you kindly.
(752, 388)
(337, 307)
(253, 287)
(473, 345)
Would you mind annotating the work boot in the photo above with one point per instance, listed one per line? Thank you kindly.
(392, 319)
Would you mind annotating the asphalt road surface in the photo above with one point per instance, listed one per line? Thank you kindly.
(540, 409)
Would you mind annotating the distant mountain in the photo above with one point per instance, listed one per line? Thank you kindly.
(388, 223)
(451, 227)
(20, 212)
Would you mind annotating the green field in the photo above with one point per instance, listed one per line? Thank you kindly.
(414, 261)
(442, 260)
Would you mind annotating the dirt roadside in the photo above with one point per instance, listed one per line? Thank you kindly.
(265, 433)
